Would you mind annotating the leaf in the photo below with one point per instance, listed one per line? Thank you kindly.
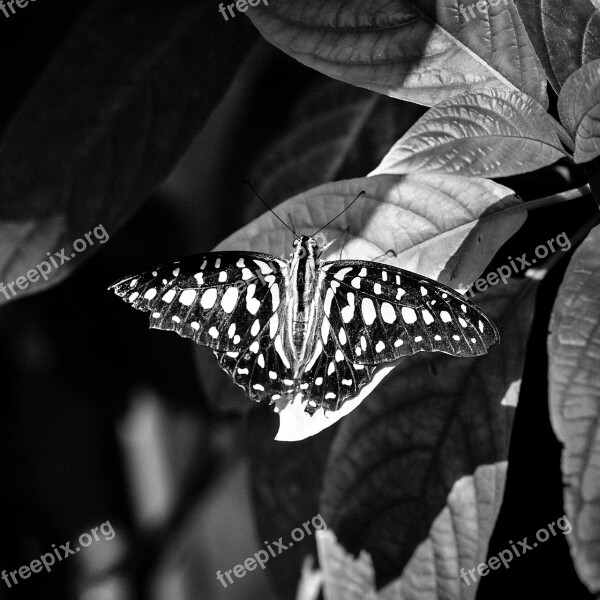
(447, 228)
(579, 109)
(327, 139)
(399, 49)
(458, 538)
(107, 120)
(564, 33)
(574, 382)
(434, 421)
(491, 134)
(286, 481)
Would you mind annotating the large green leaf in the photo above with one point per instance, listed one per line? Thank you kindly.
(431, 424)
(497, 133)
(574, 379)
(579, 108)
(117, 105)
(447, 228)
(458, 538)
(565, 34)
(410, 49)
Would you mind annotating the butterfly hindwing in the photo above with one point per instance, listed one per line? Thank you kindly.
(384, 312)
(213, 298)
(262, 370)
(329, 376)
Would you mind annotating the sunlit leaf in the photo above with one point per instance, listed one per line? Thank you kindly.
(574, 380)
(409, 49)
(493, 134)
(579, 108)
(447, 228)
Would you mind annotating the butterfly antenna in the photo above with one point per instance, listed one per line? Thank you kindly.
(270, 209)
(340, 214)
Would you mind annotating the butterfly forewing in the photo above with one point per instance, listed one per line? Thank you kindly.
(383, 313)
(213, 298)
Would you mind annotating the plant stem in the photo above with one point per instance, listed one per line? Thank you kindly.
(559, 198)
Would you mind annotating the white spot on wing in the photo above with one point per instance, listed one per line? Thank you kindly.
(388, 314)
(342, 273)
(222, 276)
(380, 346)
(317, 353)
(229, 299)
(368, 311)
(280, 351)
(261, 360)
(408, 314)
(213, 332)
(355, 283)
(254, 347)
(187, 297)
(255, 328)
(231, 330)
(195, 325)
(377, 288)
(348, 311)
(265, 269)
(149, 295)
(445, 316)
(209, 298)
(339, 356)
(427, 317)
(252, 304)
(168, 297)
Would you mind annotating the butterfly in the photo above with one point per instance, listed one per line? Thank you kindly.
(304, 328)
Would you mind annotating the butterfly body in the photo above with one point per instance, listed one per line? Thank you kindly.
(304, 329)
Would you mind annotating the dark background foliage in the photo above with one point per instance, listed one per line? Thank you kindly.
(74, 360)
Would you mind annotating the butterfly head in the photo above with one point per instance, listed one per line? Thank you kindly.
(305, 246)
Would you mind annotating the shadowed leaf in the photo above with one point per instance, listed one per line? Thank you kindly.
(458, 538)
(564, 33)
(116, 107)
(579, 108)
(433, 421)
(574, 379)
(407, 49)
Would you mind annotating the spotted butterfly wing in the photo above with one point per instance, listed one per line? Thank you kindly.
(228, 301)
(278, 340)
(373, 314)
(382, 313)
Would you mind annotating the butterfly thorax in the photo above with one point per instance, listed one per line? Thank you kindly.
(302, 285)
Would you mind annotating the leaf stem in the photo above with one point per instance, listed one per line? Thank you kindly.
(558, 198)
